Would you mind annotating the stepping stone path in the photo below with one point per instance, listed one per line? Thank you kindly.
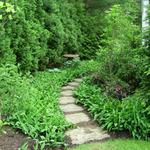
(86, 129)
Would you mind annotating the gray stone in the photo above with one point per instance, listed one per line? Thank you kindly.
(77, 118)
(83, 135)
(67, 100)
(67, 93)
(68, 88)
(71, 108)
(87, 130)
(78, 80)
(74, 84)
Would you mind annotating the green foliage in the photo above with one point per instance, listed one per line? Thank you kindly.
(91, 30)
(6, 11)
(2, 124)
(131, 114)
(119, 55)
(24, 147)
(40, 32)
(31, 103)
(32, 106)
(61, 19)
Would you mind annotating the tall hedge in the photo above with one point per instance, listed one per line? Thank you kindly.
(41, 32)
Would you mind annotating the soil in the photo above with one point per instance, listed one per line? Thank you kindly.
(12, 140)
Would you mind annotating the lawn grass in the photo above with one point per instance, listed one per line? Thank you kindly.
(116, 145)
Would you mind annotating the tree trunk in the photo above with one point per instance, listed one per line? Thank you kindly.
(145, 21)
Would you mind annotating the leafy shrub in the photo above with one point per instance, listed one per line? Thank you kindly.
(131, 114)
(40, 33)
(92, 24)
(119, 55)
(6, 13)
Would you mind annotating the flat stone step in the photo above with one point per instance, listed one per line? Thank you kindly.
(67, 100)
(87, 130)
(73, 56)
(83, 135)
(78, 80)
(78, 118)
(67, 88)
(67, 93)
(71, 108)
(74, 84)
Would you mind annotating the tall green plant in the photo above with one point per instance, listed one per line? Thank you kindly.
(119, 54)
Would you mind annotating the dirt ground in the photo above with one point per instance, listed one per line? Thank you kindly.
(13, 139)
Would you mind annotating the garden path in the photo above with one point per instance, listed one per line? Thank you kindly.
(86, 130)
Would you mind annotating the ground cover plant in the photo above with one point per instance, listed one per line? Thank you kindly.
(31, 103)
(131, 114)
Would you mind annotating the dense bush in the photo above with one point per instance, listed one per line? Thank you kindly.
(91, 29)
(41, 32)
(25, 36)
(62, 20)
(119, 54)
(131, 114)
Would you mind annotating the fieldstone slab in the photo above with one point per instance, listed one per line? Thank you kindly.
(83, 135)
(67, 88)
(71, 108)
(67, 100)
(87, 130)
(74, 84)
(67, 93)
(78, 80)
(77, 118)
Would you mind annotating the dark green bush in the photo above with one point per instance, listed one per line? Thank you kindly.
(40, 32)
(92, 25)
